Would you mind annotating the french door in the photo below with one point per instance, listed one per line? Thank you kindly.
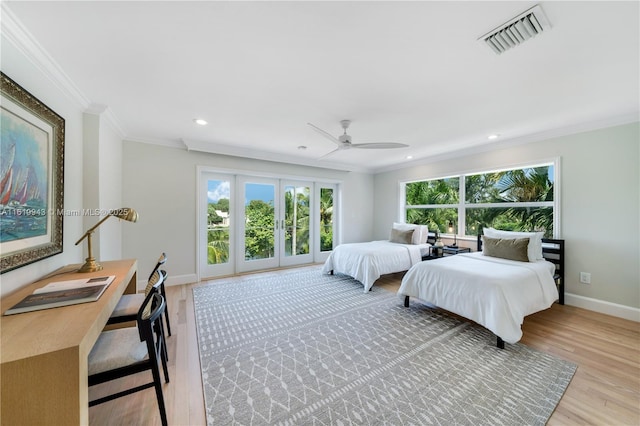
(276, 230)
(326, 207)
(216, 225)
(251, 223)
(296, 223)
(259, 213)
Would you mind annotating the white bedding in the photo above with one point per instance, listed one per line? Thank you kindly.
(496, 293)
(366, 262)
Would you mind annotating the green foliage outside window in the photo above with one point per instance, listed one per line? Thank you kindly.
(218, 232)
(434, 218)
(429, 193)
(259, 240)
(259, 217)
(490, 199)
(326, 219)
(296, 201)
(438, 191)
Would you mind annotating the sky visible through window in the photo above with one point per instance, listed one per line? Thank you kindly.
(259, 191)
(217, 189)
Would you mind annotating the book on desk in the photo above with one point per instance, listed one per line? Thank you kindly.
(62, 293)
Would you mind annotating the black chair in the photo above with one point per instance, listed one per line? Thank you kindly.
(128, 305)
(125, 351)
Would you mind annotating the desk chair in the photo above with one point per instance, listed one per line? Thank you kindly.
(125, 351)
(128, 305)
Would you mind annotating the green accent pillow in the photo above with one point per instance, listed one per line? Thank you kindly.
(401, 237)
(512, 249)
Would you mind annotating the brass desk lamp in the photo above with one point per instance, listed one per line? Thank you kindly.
(90, 264)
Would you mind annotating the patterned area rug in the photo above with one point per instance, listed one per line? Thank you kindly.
(300, 347)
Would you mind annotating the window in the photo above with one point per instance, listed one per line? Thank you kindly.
(520, 199)
(326, 219)
(433, 202)
(218, 221)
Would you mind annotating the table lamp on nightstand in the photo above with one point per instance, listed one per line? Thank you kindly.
(452, 231)
(90, 264)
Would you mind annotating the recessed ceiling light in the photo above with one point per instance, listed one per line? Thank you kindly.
(492, 137)
(200, 121)
(409, 157)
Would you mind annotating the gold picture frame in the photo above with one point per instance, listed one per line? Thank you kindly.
(31, 178)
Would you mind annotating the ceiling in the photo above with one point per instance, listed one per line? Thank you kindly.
(408, 72)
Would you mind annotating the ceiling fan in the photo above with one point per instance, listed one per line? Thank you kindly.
(344, 141)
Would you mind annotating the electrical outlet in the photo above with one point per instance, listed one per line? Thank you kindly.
(585, 277)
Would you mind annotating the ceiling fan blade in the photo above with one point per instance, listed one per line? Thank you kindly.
(325, 134)
(379, 145)
(329, 153)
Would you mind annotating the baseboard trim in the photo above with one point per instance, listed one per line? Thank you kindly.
(614, 309)
(171, 281)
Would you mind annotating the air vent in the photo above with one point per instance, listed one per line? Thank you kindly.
(517, 30)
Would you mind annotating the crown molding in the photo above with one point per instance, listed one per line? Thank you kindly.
(464, 150)
(13, 30)
(103, 111)
(159, 142)
(213, 148)
(17, 34)
(96, 109)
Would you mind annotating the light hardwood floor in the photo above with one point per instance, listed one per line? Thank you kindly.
(604, 391)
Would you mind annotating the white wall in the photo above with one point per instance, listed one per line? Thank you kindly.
(160, 183)
(600, 213)
(102, 190)
(25, 73)
(110, 191)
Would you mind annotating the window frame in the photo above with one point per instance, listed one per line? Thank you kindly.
(462, 205)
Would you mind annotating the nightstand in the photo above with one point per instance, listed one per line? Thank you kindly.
(440, 252)
(455, 250)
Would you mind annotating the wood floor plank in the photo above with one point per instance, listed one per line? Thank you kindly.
(604, 391)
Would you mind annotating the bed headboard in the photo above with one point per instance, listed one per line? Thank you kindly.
(552, 251)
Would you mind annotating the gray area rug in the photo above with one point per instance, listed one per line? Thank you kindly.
(300, 347)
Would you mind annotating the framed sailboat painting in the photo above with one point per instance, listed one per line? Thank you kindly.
(31, 178)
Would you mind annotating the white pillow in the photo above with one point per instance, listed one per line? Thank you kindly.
(425, 234)
(417, 231)
(534, 251)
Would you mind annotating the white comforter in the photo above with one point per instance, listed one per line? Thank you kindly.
(496, 293)
(366, 262)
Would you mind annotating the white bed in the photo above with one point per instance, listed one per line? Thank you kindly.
(496, 293)
(366, 262)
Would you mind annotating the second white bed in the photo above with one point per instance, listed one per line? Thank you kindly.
(494, 292)
(366, 262)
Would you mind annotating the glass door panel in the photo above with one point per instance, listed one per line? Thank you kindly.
(219, 221)
(296, 232)
(217, 225)
(325, 224)
(259, 213)
(326, 219)
(259, 239)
